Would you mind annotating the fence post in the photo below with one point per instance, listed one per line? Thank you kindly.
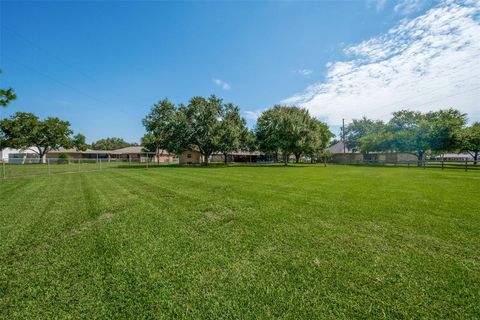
(78, 165)
(466, 164)
(442, 163)
(48, 166)
(4, 170)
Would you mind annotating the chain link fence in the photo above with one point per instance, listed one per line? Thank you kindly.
(30, 167)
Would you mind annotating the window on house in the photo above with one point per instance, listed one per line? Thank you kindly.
(189, 155)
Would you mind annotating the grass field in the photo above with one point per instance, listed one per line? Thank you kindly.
(241, 242)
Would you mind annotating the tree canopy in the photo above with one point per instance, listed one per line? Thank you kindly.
(25, 130)
(408, 131)
(204, 124)
(291, 130)
(469, 140)
(6, 95)
(232, 131)
(111, 144)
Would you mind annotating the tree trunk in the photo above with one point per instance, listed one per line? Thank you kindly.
(420, 155)
(297, 158)
(41, 154)
(225, 157)
(286, 159)
(475, 158)
(205, 159)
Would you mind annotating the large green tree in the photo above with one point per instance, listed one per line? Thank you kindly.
(469, 140)
(203, 116)
(317, 139)
(232, 131)
(24, 130)
(412, 131)
(160, 126)
(112, 143)
(6, 95)
(204, 124)
(358, 129)
(284, 129)
(443, 126)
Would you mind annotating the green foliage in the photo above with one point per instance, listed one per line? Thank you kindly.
(63, 158)
(408, 131)
(25, 130)
(416, 132)
(358, 129)
(204, 120)
(6, 95)
(79, 142)
(232, 131)
(111, 144)
(291, 130)
(469, 140)
(160, 125)
(205, 124)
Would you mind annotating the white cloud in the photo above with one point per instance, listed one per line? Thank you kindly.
(425, 63)
(407, 7)
(305, 72)
(222, 84)
(253, 115)
(378, 4)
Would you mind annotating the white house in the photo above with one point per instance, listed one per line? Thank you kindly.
(17, 155)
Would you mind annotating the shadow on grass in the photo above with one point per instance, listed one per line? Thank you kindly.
(219, 165)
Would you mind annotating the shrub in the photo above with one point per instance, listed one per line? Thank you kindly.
(63, 158)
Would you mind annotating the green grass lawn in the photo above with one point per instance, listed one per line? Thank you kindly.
(241, 242)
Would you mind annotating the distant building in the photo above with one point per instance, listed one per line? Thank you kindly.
(190, 156)
(240, 156)
(17, 155)
(350, 156)
(134, 154)
(455, 157)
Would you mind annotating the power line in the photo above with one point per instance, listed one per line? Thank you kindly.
(63, 83)
(48, 52)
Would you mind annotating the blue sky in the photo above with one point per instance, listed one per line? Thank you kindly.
(102, 64)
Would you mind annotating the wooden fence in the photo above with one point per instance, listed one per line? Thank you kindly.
(438, 164)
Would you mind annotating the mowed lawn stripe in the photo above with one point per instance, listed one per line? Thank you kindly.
(249, 242)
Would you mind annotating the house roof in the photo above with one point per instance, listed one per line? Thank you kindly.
(131, 149)
(338, 148)
(243, 153)
(88, 151)
(127, 150)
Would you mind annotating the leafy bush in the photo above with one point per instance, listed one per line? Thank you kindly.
(63, 158)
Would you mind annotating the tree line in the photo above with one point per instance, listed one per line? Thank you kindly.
(415, 132)
(211, 126)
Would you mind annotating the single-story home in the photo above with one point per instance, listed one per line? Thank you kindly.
(191, 156)
(454, 157)
(339, 156)
(240, 156)
(18, 155)
(134, 153)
